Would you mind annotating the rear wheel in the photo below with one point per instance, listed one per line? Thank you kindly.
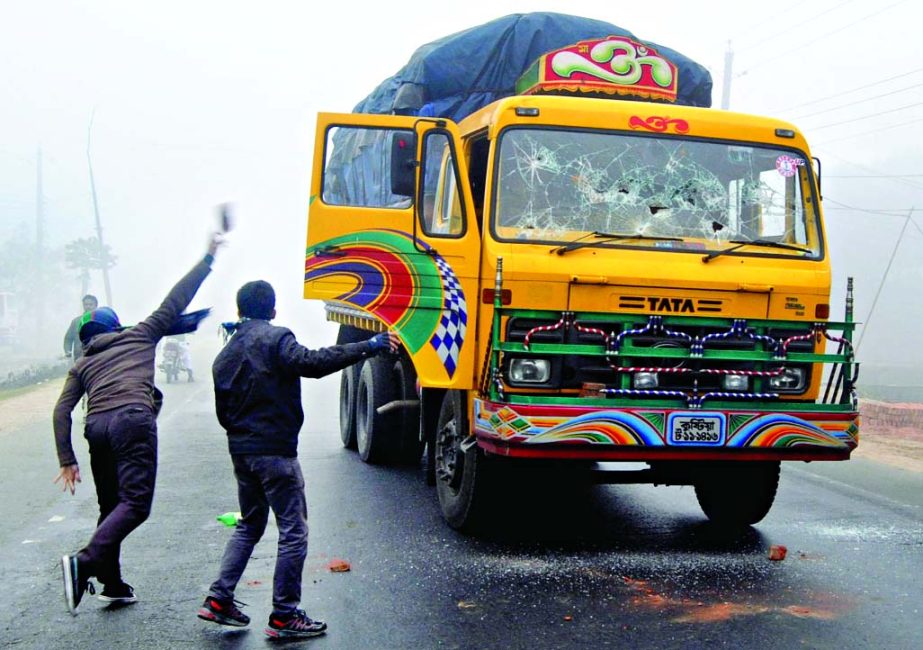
(737, 494)
(349, 377)
(376, 432)
(462, 477)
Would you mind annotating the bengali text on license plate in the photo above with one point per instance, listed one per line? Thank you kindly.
(701, 429)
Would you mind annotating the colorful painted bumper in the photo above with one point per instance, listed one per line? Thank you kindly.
(661, 434)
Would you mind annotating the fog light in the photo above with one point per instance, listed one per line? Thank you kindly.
(790, 379)
(642, 380)
(736, 382)
(530, 371)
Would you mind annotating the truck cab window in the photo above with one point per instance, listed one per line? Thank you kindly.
(441, 212)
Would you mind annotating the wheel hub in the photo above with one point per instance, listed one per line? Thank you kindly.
(449, 457)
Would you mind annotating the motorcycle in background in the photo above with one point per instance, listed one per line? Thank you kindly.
(175, 360)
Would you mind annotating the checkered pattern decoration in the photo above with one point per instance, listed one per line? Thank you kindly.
(450, 333)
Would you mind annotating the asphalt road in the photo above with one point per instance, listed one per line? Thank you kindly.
(615, 566)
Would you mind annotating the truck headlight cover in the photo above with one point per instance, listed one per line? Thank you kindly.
(530, 371)
(645, 380)
(791, 379)
(736, 382)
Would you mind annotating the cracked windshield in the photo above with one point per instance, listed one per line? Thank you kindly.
(558, 185)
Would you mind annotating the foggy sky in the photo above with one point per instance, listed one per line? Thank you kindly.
(198, 103)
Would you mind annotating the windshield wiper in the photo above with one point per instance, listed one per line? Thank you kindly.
(740, 243)
(602, 238)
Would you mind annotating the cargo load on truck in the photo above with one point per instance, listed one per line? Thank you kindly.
(458, 74)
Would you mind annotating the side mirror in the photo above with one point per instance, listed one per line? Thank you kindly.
(403, 163)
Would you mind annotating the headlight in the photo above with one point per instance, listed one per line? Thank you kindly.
(644, 380)
(736, 382)
(791, 379)
(530, 371)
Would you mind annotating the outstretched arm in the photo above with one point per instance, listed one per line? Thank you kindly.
(299, 360)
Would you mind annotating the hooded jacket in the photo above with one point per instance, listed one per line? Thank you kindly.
(258, 385)
(117, 368)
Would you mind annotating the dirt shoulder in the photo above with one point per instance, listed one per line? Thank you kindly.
(33, 405)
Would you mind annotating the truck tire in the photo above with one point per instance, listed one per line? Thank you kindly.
(376, 433)
(410, 447)
(349, 377)
(463, 478)
(737, 494)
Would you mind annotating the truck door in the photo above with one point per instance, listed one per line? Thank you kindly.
(392, 236)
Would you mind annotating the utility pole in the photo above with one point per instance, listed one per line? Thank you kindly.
(39, 247)
(99, 227)
(728, 70)
(884, 277)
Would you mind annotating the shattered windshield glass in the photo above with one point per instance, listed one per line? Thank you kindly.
(559, 185)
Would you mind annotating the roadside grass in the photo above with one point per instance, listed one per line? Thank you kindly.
(9, 393)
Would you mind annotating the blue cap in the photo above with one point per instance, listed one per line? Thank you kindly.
(98, 321)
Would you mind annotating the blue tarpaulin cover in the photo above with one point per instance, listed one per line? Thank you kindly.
(460, 73)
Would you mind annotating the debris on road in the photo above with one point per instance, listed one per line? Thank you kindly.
(777, 552)
(229, 518)
(337, 565)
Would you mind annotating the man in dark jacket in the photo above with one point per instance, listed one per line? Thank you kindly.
(117, 374)
(258, 399)
(73, 348)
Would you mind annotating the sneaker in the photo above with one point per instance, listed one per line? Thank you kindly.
(118, 594)
(296, 625)
(223, 612)
(74, 584)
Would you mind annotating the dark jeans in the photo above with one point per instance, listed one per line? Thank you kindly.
(123, 457)
(265, 482)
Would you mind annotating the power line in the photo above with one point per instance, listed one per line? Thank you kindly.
(896, 212)
(856, 103)
(857, 135)
(791, 51)
(873, 176)
(902, 181)
(784, 12)
(750, 46)
(847, 92)
(866, 117)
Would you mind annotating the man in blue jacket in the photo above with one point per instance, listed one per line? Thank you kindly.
(258, 400)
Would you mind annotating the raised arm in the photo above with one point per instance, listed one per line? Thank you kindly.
(156, 325)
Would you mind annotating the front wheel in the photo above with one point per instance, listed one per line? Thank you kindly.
(737, 494)
(462, 477)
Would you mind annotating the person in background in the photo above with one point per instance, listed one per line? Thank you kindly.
(257, 379)
(73, 349)
(117, 374)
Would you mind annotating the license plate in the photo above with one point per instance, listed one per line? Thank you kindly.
(696, 428)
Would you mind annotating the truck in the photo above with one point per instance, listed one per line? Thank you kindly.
(593, 267)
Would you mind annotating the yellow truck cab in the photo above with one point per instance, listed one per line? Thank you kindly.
(577, 279)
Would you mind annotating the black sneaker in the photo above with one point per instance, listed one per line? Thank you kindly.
(118, 594)
(223, 612)
(296, 625)
(74, 584)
